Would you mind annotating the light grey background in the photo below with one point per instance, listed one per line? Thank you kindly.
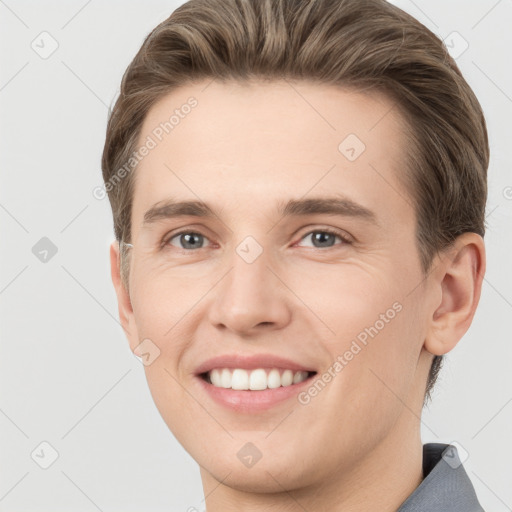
(67, 376)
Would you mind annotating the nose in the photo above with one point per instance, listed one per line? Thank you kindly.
(250, 298)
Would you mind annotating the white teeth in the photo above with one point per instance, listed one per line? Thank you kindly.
(254, 380)
(215, 378)
(273, 379)
(258, 379)
(240, 379)
(299, 377)
(225, 378)
(287, 378)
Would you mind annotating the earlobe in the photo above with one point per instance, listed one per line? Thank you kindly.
(458, 280)
(125, 309)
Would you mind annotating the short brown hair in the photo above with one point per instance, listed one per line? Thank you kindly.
(350, 43)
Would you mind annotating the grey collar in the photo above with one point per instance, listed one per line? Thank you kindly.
(445, 487)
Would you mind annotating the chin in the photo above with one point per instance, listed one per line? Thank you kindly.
(259, 479)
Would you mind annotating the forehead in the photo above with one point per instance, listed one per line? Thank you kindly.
(266, 142)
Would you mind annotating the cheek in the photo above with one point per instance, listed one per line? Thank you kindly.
(374, 339)
(167, 309)
(379, 361)
(346, 298)
(163, 310)
(165, 300)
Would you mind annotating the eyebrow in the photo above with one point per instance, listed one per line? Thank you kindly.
(293, 208)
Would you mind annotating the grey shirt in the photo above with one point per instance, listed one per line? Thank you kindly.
(445, 487)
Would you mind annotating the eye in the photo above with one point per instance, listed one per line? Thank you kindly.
(324, 238)
(193, 240)
(188, 240)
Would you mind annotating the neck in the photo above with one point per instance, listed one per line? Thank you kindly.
(382, 480)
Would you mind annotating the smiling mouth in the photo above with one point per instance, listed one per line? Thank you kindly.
(258, 379)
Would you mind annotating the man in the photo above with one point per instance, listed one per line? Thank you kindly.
(298, 191)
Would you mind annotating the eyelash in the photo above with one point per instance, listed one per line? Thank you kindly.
(165, 242)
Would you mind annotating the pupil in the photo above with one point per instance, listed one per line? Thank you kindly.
(186, 239)
(321, 236)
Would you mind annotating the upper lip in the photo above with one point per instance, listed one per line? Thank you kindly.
(250, 363)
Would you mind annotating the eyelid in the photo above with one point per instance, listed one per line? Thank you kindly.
(316, 227)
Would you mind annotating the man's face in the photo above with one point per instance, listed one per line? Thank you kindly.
(311, 287)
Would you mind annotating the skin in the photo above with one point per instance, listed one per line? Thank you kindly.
(244, 149)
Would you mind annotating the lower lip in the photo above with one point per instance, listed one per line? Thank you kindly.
(252, 401)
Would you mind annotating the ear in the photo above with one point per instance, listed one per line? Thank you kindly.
(457, 280)
(123, 297)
